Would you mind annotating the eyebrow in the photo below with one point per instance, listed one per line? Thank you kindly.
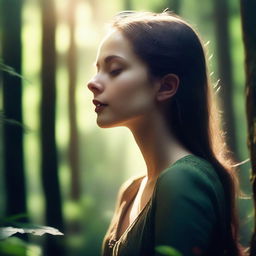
(108, 59)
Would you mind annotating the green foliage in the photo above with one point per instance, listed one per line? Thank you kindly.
(13, 246)
(9, 226)
(167, 250)
(9, 121)
(17, 247)
(11, 220)
(37, 230)
(10, 70)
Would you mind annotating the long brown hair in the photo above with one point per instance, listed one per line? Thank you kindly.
(168, 44)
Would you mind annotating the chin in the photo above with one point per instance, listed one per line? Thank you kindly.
(104, 124)
(109, 124)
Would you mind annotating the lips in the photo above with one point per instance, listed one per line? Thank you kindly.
(99, 105)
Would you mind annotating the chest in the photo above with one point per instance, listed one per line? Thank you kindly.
(133, 209)
(133, 238)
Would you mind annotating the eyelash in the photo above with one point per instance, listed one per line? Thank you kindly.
(115, 72)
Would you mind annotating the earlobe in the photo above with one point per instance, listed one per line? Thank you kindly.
(168, 87)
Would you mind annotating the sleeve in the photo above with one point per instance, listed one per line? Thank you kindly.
(185, 216)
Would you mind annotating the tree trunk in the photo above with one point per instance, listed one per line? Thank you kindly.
(221, 11)
(73, 134)
(50, 180)
(12, 104)
(248, 9)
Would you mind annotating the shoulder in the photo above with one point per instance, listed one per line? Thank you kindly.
(192, 177)
(191, 169)
(188, 205)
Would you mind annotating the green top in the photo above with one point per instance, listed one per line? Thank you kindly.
(186, 212)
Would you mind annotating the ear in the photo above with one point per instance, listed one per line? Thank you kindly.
(168, 87)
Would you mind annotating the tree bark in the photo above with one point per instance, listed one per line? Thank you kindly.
(12, 105)
(248, 9)
(49, 165)
(73, 134)
(221, 11)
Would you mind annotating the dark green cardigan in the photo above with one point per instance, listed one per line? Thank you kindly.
(186, 212)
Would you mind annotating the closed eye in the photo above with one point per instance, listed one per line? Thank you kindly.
(115, 72)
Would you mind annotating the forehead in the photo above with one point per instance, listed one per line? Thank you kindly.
(116, 44)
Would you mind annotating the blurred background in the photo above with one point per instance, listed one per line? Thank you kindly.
(57, 168)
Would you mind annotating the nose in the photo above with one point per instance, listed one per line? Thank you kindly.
(95, 86)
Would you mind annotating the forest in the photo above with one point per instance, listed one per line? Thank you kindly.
(57, 167)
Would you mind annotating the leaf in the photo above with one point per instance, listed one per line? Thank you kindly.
(6, 232)
(10, 70)
(167, 250)
(13, 246)
(15, 217)
(3, 119)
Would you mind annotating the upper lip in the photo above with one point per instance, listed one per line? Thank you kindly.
(97, 102)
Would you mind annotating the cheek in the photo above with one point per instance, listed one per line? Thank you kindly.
(133, 93)
(132, 86)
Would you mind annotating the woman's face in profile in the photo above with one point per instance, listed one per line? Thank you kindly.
(123, 93)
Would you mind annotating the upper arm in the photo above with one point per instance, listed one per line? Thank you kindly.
(185, 214)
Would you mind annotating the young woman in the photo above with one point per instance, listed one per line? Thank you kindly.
(152, 78)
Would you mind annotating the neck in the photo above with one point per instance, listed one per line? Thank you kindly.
(158, 146)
